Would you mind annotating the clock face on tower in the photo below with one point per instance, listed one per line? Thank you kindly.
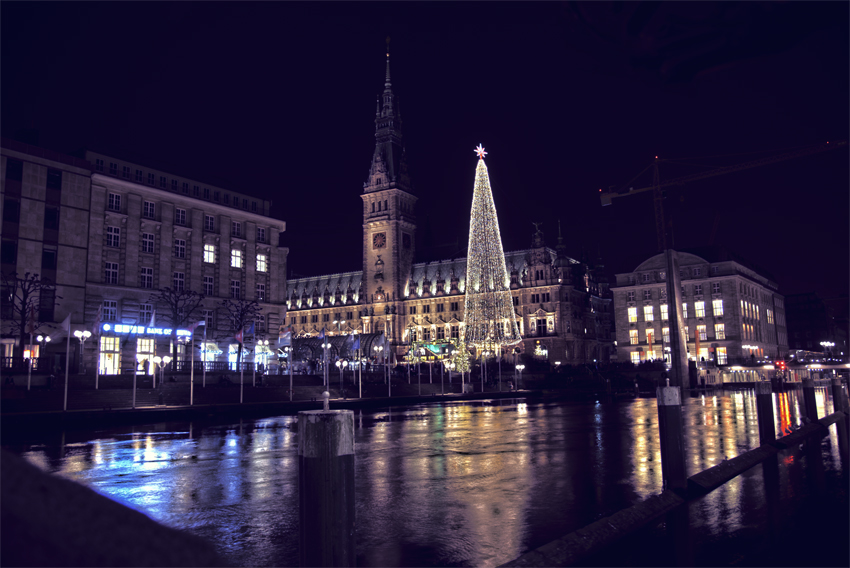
(379, 240)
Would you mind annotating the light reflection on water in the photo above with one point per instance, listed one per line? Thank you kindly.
(472, 484)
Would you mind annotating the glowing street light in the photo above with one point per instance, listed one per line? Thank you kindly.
(519, 368)
(82, 336)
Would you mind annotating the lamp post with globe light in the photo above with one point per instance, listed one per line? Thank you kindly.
(82, 336)
(520, 367)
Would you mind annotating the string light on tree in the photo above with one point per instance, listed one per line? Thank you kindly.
(489, 313)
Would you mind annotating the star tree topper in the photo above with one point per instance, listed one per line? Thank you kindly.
(480, 151)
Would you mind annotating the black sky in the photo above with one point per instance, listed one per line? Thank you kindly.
(278, 100)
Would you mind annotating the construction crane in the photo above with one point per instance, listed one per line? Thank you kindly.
(657, 186)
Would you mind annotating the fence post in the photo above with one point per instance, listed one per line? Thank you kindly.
(671, 437)
(326, 487)
(764, 408)
(809, 405)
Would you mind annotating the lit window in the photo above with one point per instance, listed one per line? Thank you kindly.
(699, 308)
(147, 242)
(650, 335)
(235, 289)
(209, 254)
(113, 236)
(647, 313)
(262, 263)
(769, 316)
(717, 306)
(179, 281)
(664, 312)
(633, 336)
(632, 315)
(635, 357)
(757, 313)
(179, 248)
(236, 258)
(720, 331)
(261, 292)
(685, 310)
(721, 356)
(687, 333)
(702, 333)
(209, 286)
(665, 334)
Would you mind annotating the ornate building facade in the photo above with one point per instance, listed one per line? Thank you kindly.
(563, 307)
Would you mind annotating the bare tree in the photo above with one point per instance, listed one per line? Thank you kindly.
(29, 297)
(235, 315)
(177, 307)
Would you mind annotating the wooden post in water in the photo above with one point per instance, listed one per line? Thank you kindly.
(809, 405)
(671, 437)
(839, 404)
(764, 408)
(326, 486)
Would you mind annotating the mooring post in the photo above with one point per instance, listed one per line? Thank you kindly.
(809, 405)
(764, 409)
(326, 487)
(671, 436)
(839, 404)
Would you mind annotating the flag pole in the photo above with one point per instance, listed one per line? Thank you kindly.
(192, 371)
(29, 367)
(67, 353)
(254, 357)
(204, 362)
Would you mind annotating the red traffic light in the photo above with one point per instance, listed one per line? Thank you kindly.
(781, 365)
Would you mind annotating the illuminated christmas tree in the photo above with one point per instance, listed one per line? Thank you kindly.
(489, 316)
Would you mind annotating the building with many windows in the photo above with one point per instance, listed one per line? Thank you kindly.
(733, 313)
(150, 230)
(45, 219)
(562, 306)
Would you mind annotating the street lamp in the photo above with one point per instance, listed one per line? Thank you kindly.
(827, 347)
(82, 336)
(419, 368)
(340, 364)
(378, 349)
(43, 340)
(519, 368)
(339, 324)
(325, 346)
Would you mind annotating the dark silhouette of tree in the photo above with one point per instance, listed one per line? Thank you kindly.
(23, 296)
(235, 316)
(178, 308)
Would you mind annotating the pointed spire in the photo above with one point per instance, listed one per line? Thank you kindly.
(387, 84)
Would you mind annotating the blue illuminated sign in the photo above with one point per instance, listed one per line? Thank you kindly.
(142, 330)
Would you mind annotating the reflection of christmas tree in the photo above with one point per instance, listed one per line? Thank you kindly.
(489, 316)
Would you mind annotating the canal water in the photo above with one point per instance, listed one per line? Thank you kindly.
(437, 484)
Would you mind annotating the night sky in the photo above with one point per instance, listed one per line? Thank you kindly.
(277, 100)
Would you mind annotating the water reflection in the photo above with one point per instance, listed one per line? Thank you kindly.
(455, 484)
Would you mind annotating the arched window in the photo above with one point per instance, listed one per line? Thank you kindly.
(373, 207)
(386, 208)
